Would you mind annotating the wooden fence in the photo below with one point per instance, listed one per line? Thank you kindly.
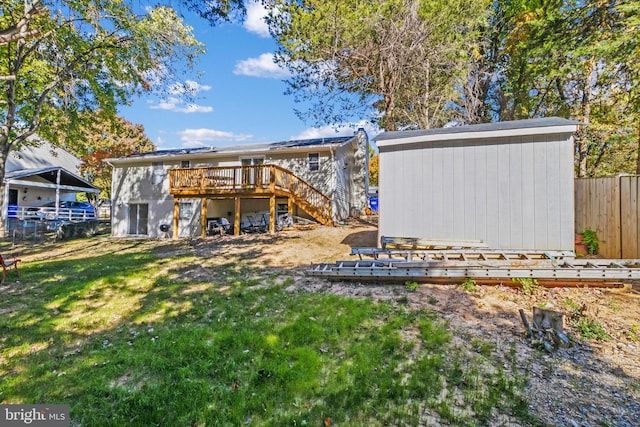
(611, 207)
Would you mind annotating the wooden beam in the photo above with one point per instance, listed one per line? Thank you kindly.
(176, 216)
(236, 218)
(290, 206)
(203, 219)
(272, 214)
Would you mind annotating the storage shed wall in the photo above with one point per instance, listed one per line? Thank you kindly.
(512, 192)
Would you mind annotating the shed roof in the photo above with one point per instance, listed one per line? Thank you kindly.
(548, 125)
(283, 146)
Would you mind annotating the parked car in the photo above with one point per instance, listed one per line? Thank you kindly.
(72, 210)
(84, 206)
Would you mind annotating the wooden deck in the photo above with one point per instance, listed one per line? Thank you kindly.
(259, 181)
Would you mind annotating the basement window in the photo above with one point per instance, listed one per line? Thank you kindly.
(314, 161)
(185, 210)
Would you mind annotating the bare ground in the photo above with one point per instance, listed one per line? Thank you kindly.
(591, 383)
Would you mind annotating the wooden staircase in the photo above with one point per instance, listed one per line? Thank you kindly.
(251, 181)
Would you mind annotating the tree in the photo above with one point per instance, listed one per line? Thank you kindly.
(573, 59)
(107, 140)
(63, 58)
(374, 167)
(404, 58)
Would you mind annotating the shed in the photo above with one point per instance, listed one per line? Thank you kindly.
(509, 184)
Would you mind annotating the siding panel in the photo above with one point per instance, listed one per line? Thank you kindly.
(528, 193)
(509, 192)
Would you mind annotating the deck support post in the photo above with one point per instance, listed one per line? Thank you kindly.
(290, 207)
(236, 217)
(176, 216)
(203, 219)
(272, 214)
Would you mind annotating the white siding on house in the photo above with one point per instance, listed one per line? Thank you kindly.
(133, 185)
(133, 179)
(510, 192)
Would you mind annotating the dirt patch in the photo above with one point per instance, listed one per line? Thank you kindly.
(590, 383)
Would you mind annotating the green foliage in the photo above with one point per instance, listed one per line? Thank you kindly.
(77, 63)
(591, 240)
(374, 167)
(106, 140)
(412, 286)
(529, 286)
(590, 329)
(470, 285)
(401, 58)
(585, 326)
(569, 59)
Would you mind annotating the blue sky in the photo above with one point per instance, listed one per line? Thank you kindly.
(240, 94)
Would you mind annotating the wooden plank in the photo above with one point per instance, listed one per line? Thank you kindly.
(414, 243)
(470, 254)
(613, 243)
(628, 247)
(600, 204)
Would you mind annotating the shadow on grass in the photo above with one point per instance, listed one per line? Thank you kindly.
(125, 341)
(138, 339)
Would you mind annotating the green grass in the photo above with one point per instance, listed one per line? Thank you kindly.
(125, 340)
(586, 327)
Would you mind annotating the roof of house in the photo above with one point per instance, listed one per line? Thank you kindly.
(283, 146)
(499, 129)
(41, 154)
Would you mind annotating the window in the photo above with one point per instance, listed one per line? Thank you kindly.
(185, 164)
(282, 208)
(139, 219)
(314, 161)
(252, 162)
(250, 174)
(186, 210)
(157, 173)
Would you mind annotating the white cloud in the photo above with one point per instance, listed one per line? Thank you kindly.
(342, 129)
(198, 137)
(178, 105)
(262, 66)
(190, 87)
(254, 22)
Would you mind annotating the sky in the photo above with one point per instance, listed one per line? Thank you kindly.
(240, 94)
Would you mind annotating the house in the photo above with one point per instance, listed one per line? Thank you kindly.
(182, 192)
(508, 184)
(37, 175)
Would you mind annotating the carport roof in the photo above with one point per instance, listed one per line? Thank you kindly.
(50, 174)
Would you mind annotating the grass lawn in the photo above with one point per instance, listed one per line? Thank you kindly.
(126, 342)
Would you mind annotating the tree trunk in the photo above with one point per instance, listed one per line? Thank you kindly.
(3, 201)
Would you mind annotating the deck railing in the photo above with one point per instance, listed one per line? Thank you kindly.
(268, 179)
